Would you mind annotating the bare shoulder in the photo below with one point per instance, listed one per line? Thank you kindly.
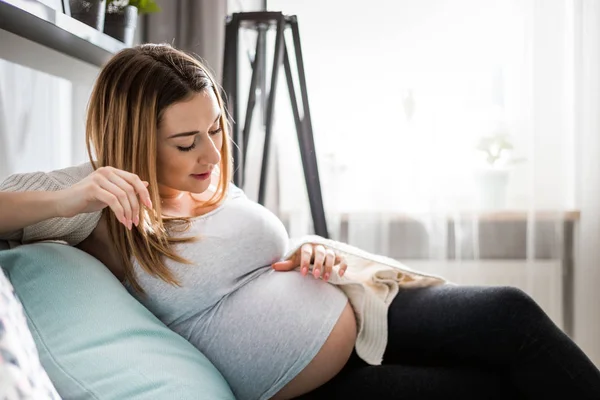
(99, 245)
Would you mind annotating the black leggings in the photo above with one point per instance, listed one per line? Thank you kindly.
(451, 342)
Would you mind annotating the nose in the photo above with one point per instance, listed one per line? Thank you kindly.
(209, 153)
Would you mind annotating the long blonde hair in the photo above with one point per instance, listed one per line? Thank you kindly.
(127, 103)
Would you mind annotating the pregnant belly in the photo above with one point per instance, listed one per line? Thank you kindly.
(330, 359)
(280, 334)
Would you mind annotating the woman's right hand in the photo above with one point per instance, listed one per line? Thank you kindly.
(120, 190)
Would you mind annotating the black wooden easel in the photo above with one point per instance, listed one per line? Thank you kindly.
(262, 21)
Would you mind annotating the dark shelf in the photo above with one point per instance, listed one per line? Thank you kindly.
(41, 24)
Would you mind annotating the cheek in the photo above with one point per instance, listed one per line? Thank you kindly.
(169, 164)
(162, 164)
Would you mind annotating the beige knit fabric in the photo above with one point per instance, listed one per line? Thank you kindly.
(71, 230)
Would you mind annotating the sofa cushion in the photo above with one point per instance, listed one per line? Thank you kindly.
(94, 339)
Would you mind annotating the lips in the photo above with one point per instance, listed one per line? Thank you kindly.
(201, 177)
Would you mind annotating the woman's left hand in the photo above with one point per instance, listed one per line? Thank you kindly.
(322, 258)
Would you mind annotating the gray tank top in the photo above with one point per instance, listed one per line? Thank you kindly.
(259, 327)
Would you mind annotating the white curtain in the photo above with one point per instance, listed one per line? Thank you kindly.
(587, 122)
(458, 136)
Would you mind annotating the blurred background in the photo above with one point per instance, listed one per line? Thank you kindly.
(461, 137)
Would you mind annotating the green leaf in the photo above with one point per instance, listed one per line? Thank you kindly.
(145, 6)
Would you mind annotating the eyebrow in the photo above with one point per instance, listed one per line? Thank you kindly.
(191, 133)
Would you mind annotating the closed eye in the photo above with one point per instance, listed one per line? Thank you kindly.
(216, 131)
(190, 148)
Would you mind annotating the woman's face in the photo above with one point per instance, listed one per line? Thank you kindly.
(190, 137)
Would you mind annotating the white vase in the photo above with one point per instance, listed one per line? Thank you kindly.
(491, 185)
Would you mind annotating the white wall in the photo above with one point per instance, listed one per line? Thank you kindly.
(234, 6)
(43, 96)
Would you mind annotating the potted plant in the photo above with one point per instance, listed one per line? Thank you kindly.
(90, 12)
(496, 153)
(121, 17)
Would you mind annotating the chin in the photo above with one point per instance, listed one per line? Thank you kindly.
(199, 188)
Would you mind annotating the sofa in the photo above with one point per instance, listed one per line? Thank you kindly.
(96, 341)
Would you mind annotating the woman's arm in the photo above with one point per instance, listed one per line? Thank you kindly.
(31, 202)
(66, 204)
(21, 209)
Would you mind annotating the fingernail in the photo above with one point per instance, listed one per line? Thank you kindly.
(326, 277)
(304, 271)
(342, 272)
(137, 220)
(317, 273)
(129, 223)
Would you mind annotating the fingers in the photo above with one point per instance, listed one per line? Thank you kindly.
(130, 198)
(122, 199)
(328, 263)
(306, 252)
(113, 202)
(323, 260)
(139, 186)
(287, 265)
(320, 254)
(125, 187)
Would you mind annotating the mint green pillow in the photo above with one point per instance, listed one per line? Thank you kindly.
(94, 339)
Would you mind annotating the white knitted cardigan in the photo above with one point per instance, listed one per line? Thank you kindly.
(371, 281)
